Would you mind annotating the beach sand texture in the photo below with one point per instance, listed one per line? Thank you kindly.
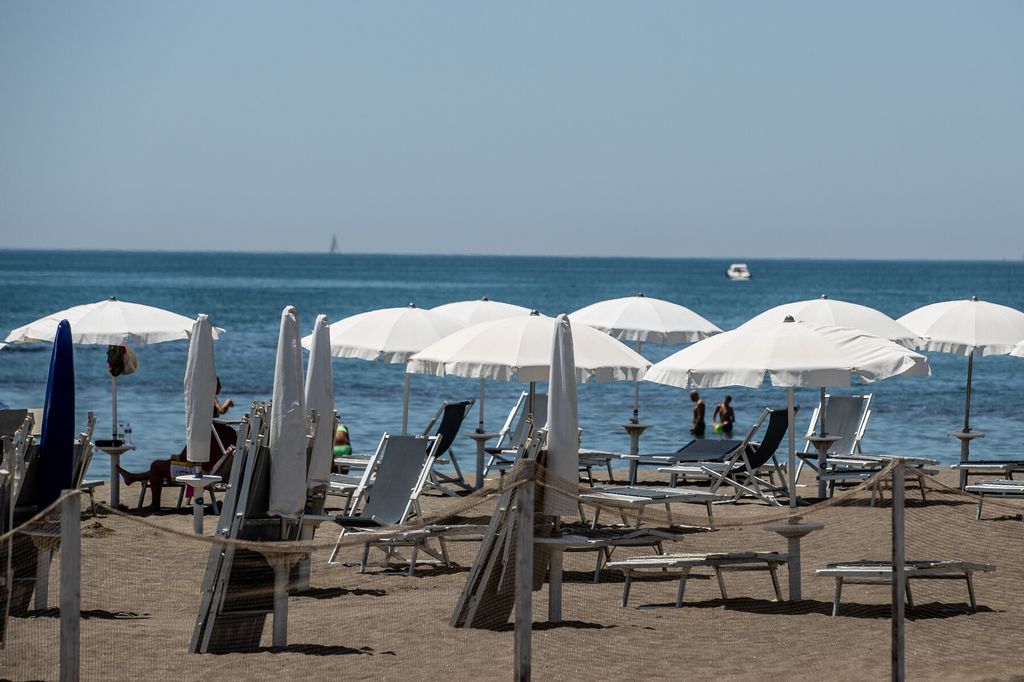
(140, 587)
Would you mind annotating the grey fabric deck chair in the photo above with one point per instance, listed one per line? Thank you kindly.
(516, 430)
(846, 417)
(402, 467)
(742, 469)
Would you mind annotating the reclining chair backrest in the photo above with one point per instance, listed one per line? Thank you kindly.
(452, 416)
(778, 423)
(403, 460)
(845, 417)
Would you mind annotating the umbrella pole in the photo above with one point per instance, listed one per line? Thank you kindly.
(480, 427)
(636, 396)
(967, 406)
(405, 404)
(792, 450)
(113, 407)
(533, 395)
(821, 414)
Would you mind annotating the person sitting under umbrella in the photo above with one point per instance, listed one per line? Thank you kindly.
(159, 472)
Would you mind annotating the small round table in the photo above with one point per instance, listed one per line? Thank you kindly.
(793, 530)
(481, 439)
(114, 452)
(199, 482)
(965, 438)
(822, 443)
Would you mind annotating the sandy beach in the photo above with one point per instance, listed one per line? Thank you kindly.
(140, 581)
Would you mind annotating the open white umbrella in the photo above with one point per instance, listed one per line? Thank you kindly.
(1018, 350)
(391, 335)
(288, 424)
(563, 419)
(200, 391)
(790, 354)
(110, 322)
(966, 327)
(474, 312)
(643, 319)
(320, 397)
(836, 313)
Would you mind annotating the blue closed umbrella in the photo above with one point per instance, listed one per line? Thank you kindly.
(57, 442)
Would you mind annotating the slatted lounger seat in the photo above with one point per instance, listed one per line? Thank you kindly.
(990, 467)
(684, 563)
(1007, 488)
(880, 573)
(637, 498)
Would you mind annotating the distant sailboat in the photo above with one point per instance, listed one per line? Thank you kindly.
(334, 245)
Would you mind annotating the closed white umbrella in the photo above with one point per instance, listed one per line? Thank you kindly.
(790, 354)
(320, 397)
(966, 327)
(835, 313)
(391, 335)
(474, 312)
(643, 319)
(200, 391)
(288, 424)
(563, 419)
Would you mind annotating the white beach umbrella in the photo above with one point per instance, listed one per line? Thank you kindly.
(835, 313)
(642, 319)
(288, 424)
(790, 354)
(1018, 350)
(110, 322)
(520, 349)
(320, 397)
(563, 419)
(200, 391)
(474, 312)
(391, 335)
(966, 327)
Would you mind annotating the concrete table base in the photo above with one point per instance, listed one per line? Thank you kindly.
(793, 531)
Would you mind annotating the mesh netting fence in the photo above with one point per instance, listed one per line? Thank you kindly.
(153, 593)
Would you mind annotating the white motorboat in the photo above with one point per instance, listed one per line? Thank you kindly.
(738, 271)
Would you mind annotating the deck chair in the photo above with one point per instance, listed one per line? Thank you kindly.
(846, 417)
(516, 430)
(83, 458)
(402, 468)
(448, 418)
(742, 469)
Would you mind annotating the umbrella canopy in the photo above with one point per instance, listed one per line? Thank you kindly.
(563, 419)
(200, 391)
(57, 439)
(288, 424)
(834, 313)
(645, 319)
(390, 334)
(520, 348)
(1018, 350)
(110, 322)
(791, 354)
(320, 397)
(480, 310)
(967, 327)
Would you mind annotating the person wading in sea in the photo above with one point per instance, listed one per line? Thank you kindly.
(698, 415)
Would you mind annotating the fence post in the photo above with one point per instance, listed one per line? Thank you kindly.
(524, 573)
(898, 573)
(70, 586)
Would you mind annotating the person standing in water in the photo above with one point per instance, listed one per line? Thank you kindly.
(724, 417)
(699, 426)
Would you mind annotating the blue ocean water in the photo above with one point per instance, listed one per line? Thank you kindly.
(245, 292)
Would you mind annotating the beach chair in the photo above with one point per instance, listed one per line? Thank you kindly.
(516, 430)
(448, 418)
(84, 449)
(741, 469)
(988, 468)
(401, 471)
(1006, 489)
(846, 418)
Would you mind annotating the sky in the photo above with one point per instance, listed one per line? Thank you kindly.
(684, 129)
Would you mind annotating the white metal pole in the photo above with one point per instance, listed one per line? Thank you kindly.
(898, 573)
(524, 579)
(636, 396)
(70, 586)
(113, 409)
(480, 427)
(967, 406)
(791, 461)
(405, 403)
(821, 414)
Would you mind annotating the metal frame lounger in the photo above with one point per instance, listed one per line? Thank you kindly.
(989, 467)
(1006, 489)
(880, 573)
(684, 563)
(510, 439)
(638, 498)
(846, 417)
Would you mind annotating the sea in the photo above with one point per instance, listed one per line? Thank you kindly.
(245, 292)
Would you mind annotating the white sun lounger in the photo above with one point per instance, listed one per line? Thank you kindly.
(637, 499)
(1005, 489)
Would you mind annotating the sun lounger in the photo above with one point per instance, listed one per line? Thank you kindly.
(846, 418)
(989, 468)
(516, 429)
(1005, 489)
(637, 499)
(684, 563)
(880, 573)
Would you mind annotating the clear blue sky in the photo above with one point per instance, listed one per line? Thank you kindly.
(811, 129)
